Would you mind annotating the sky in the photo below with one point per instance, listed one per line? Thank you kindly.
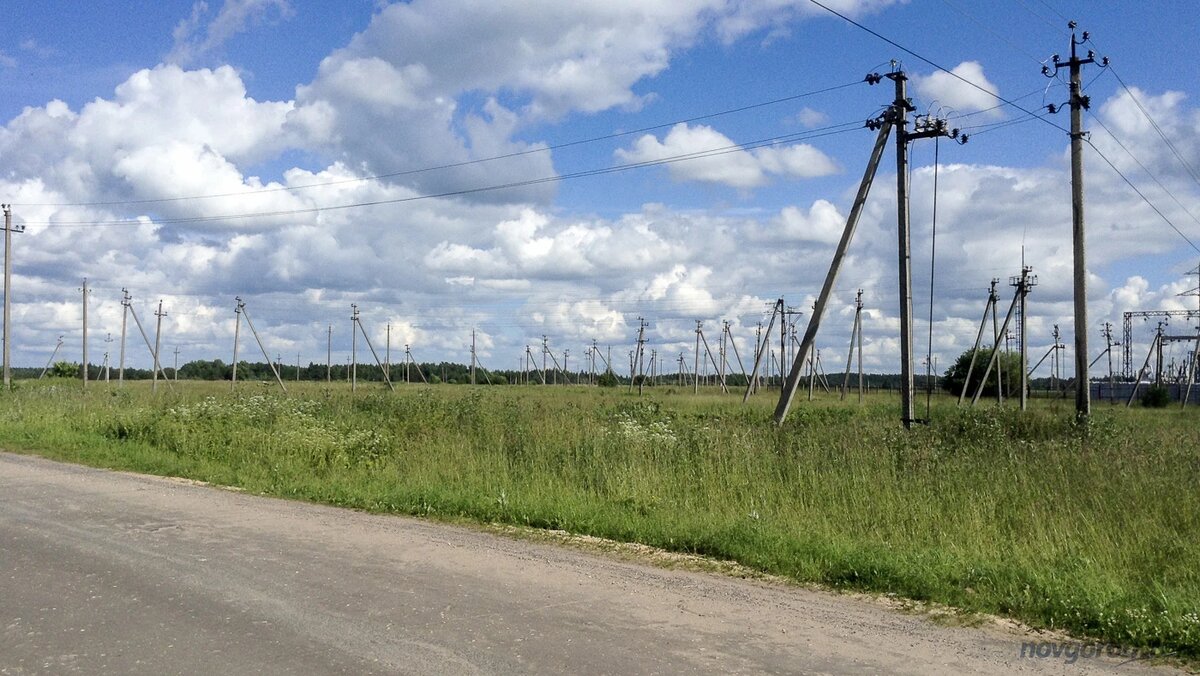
(537, 168)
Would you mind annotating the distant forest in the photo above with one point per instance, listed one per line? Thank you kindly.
(450, 373)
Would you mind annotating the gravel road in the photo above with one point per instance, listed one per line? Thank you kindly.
(113, 573)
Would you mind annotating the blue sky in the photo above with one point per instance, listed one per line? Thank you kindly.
(178, 100)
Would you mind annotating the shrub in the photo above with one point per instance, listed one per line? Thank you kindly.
(1156, 397)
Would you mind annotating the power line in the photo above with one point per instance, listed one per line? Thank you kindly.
(1174, 151)
(1143, 196)
(934, 64)
(1149, 173)
(712, 152)
(454, 165)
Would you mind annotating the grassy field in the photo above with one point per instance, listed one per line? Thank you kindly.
(1093, 531)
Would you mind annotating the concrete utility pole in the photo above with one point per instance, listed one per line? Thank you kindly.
(83, 369)
(237, 328)
(1079, 102)
(157, 342)
(176, 364)
(53, 354)
(1191, 371)
(254, 332)
(9, 229)
(990, 307)
(125, 307)
(473, 354)
(762, 348)
(353, 348)
(1108, 345)
(696, 363)
(855, 334)
(925, 127)
(329, 355)
(387, 352)
(107, 342)
(1024, 284)
(638, 357)
(995, 358)
(367, 339)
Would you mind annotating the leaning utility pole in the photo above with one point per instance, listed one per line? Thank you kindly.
(84, 368)
(990, 307)
(762, 348)
(50, 361)
(1078, 103)
(254, 332)
(925, 127)
(855, 336)
(9, 229)
(1024, 284)
(157, 342)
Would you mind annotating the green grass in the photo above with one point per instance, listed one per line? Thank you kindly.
(1026, 515)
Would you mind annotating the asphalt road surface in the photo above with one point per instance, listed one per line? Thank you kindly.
(111, 573)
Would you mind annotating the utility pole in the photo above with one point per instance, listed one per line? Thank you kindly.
(353, 348)
(157, 342)
(923, 127)
(1191, 371)
(696, 364)
(990, 307)
(1078, 103)
(896, 116)
(855, 334)
(125, 307)
(237, 329)
(1108, 345)
(176, 363)
(53, 354)
(995, 300)
(1024, 284)
(274, 369)
(9, 229)
(387, 353)
(329, 355)
(84, 368)
(638, 357)
(107, 342)
(473, 355)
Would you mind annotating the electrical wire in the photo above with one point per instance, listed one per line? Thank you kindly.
(1142, 195)
(1097, 120)
(1174, 151)
(453, 165)
(712, 152)
(934, 64)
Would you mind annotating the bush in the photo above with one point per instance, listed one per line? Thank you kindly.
(956, 375)
(1156, 397)
(607, 379)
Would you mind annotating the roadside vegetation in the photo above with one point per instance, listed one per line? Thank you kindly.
(1093, 531)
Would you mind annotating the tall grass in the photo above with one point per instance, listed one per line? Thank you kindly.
(1090, 530)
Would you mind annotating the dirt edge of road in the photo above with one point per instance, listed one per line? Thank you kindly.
(660, 558)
